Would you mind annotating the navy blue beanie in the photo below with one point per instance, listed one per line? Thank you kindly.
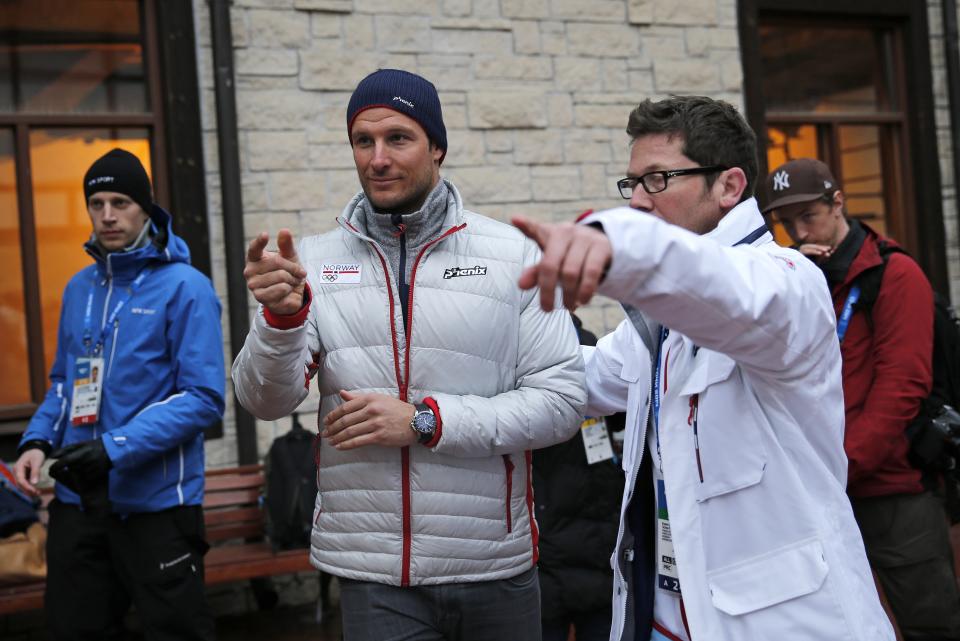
(404, 92)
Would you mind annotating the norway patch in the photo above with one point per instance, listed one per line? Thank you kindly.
(340, 273)
(453, 272)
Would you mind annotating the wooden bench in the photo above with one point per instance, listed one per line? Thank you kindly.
(235, 530)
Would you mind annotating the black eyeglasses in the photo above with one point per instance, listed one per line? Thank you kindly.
(656, 181)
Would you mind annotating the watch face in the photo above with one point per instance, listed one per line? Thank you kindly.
(424, 422)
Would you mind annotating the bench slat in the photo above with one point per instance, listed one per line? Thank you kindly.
(233, 481)
(215, 517)
(232, 497)
(239, 562)
(237, 531)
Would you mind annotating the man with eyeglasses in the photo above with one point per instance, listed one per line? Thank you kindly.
(734, 522)
(885, 327)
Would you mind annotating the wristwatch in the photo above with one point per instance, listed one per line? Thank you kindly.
(423, 423)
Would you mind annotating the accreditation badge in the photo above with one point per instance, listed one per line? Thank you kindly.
(87, 390)
(668, 578)
(596, 440)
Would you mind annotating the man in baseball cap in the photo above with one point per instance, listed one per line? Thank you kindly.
(884, 305)
(437, 378)
(804, 197)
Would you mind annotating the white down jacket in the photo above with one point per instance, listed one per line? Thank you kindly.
(506, 376)
(750, 430)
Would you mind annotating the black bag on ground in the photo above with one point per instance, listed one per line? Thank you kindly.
(291, 488)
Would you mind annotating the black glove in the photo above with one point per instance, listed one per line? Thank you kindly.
(83, 467)
(86, 460)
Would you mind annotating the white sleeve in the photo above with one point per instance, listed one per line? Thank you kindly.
(271, 374)
(767, 308)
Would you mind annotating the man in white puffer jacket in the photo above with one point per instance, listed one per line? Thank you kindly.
(438, 377)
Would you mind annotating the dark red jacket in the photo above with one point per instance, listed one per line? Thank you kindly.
(887, 372)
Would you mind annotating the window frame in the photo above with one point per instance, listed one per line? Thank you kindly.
(922, 226)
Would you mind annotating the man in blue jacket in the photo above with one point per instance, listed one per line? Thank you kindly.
(137, 377)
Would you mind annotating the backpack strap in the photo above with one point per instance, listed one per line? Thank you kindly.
(870, 280)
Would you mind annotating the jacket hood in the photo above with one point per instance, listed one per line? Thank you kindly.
(165, 247)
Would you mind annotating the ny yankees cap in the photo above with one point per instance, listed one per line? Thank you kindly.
(797, 181)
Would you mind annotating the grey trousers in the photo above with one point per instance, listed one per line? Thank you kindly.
(486, 611)
(908, 544)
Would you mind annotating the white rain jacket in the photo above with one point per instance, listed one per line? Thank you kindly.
(506, 376)
(765, 540)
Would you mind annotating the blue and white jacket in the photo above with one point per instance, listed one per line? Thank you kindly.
(163, 378)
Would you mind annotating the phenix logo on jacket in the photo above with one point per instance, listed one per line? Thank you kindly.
(453, 272)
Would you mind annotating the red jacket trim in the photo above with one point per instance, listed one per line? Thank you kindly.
(432, 404)
(290, 321)
(583, 215)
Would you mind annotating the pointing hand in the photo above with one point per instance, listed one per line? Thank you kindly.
(275, 278)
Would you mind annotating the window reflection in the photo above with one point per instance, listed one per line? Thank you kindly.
(77, 56)
(824, 69)
(862, 170)
(59, 158)
(14, 361)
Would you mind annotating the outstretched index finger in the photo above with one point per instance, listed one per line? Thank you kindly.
(288, 251)
(531, 229)
(256, 247)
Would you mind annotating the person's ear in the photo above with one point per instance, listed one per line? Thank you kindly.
(838, 201)
(730, 183)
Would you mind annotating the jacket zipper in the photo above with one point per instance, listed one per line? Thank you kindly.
(628, 554)
(103, 321)
(692, 420)
(402, 381)
(508, 468)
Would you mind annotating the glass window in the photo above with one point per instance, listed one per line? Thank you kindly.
(862, 167)
(71, 56)
(73, 85)
(845, 114)
(824, 68)
(14, 362)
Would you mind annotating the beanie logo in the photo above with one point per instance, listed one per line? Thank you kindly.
(404, 101)
(781, 180)
(101, 179)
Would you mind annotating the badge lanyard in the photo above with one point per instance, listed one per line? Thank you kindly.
(668, 577)
(88, 314)
(847, 312)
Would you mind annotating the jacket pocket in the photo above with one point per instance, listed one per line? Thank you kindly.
(710, 368)
(730, 454)
(508, 470)
(769, 579)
